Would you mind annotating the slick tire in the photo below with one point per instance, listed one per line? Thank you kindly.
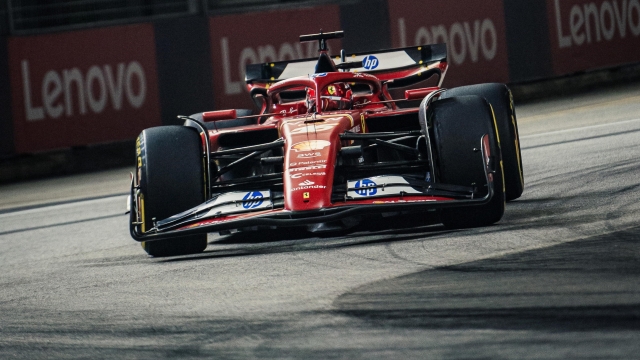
(458, 124)
(499, 96)
(171, 180)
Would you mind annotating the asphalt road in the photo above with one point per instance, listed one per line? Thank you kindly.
(557, 278)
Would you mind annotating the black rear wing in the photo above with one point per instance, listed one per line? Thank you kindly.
(390, 64)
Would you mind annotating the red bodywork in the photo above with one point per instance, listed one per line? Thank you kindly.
(312, 140)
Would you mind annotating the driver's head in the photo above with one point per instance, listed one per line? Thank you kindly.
(336, 96)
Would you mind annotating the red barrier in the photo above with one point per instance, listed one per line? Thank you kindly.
(473, 30)
(588, 34)
(83, 87)
(237, 40)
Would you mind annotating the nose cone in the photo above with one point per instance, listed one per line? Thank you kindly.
(311, 148)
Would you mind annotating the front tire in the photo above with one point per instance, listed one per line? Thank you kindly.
(171, 180)
(499, 96)
(458, 124)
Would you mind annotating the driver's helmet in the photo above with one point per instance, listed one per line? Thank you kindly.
(336, 96)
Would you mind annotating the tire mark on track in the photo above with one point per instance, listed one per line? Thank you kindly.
(59, 224)
(11, 211)
(580, 139)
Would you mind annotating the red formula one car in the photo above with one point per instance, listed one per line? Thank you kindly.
(329, 146)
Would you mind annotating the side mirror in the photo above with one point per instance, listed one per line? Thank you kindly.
(219, 115)
(419, 94)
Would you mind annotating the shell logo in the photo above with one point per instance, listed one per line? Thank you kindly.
(310, 145)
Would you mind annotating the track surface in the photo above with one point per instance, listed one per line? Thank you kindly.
(557, 278)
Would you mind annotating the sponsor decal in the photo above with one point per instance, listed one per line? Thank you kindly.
(305, 196)
(587, 34)
(355, 129)
(313, 128)
(252, 200)
(318, 75)
(331, 90)
(474, 33)
(83, 87)
(237, 201)
(298, 176)
(308, 187)
(100, 87)
(310, 162)
(402, 201)
(312, 167)
(370, 62)
(306, 183)
(596, 21)
(233, 46)
(366, 187)
(388, 185)
(310, 145)
(292, 110)
(309, 155)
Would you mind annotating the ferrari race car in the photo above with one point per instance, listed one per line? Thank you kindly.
(328, 147)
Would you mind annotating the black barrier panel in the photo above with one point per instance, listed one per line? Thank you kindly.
(6, 124)
(184, 67)
(527, 40)
(366, 26)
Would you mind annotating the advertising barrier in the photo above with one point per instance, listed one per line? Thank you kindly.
(237, 40)
(591, 34)
(473, 30)
(82, 87)
(103, 85)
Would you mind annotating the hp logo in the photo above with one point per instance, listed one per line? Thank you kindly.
(252, 200)
(370, 62)
(366, 187)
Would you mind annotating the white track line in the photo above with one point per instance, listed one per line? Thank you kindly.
(580, 128)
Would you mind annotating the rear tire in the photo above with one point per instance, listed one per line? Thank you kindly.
(458, 125)
(171, 180)
(499, 96)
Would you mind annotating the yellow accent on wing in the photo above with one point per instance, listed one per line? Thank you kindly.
(143, 226)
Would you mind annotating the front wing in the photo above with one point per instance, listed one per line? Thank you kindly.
(187, 223)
